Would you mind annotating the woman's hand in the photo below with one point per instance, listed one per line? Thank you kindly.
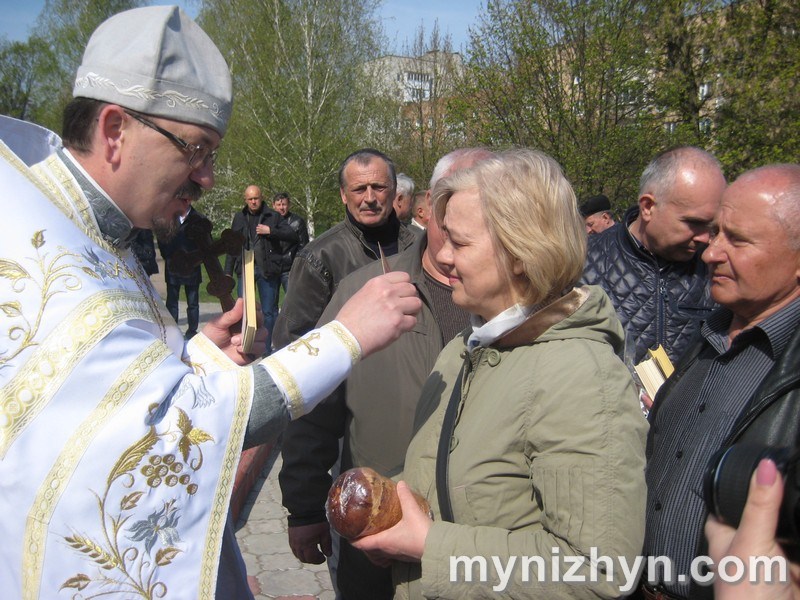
(754, 537)
(406, 540)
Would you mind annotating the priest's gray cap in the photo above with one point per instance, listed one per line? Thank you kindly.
(157, 60)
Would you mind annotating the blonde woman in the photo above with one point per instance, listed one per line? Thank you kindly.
(543, 463)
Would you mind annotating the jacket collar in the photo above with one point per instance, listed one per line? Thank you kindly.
(629, 243)
(542, 320)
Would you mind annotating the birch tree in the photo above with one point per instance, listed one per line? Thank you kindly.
(299, 94)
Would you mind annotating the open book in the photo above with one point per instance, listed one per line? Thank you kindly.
(654, 370)
(249, 322)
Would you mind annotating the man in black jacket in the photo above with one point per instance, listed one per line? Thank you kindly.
(740, 383)
(175, 279)
(281, 203)
(263, 230)
(650, 266)
(367, 182)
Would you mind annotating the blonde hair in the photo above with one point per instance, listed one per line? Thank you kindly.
(532, 216)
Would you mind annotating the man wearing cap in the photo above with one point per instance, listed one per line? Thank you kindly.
(120, 440)
(596, 213)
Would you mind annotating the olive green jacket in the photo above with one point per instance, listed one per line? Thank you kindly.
(547, 458)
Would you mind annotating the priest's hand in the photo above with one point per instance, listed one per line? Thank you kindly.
(382, 310)
(218, 331)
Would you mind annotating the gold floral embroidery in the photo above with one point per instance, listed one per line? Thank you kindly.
(52, 273)
(53, 277)
(63, 191)
(124, 557)
(54, 485)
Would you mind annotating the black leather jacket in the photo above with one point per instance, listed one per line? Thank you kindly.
(267, 250)
(772, 416)
(658, 302)
(317, 271)
(290, 249)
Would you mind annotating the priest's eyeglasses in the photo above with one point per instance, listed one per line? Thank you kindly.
(199, 156)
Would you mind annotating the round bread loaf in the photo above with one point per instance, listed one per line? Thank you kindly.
(361, 502)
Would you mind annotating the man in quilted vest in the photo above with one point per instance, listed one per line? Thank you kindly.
(650, 266)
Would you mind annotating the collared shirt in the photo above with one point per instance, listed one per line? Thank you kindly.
(693, 423)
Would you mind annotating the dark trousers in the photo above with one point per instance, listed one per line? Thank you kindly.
(359, 579)
(192, 305)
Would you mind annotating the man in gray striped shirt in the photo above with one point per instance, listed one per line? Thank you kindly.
(740, 383)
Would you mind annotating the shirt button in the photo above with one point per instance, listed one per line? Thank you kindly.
(493, 359)
(679, 454)
(658, 505)
(702, 407)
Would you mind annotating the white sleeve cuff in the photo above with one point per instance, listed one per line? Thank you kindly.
(309, 369)
(205, 357)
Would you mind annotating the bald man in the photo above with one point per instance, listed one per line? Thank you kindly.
(263, 230)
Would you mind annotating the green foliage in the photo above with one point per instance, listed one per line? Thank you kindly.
(758, 121)
(22, 66)
(297, 68)
(683, 38)
(601, 85)
(569, 78)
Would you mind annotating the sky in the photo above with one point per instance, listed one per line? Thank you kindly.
(401, 18)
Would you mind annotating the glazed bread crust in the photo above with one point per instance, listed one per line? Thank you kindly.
(361, 502)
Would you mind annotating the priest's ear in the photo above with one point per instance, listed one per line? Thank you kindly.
(113, 128)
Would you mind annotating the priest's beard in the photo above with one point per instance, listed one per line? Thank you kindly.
(166, 229)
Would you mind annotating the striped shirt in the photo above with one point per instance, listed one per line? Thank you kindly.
(692, 424)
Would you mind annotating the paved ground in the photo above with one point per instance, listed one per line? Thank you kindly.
(262, 539)
(261, 529)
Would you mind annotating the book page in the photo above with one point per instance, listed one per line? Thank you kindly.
(249, 321)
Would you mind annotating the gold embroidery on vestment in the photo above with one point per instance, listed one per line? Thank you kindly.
(53, 361)
(347, 339)
(61, 184)
(124, 551)
(58, 478)
(288, 384)
(222, 495)
(305, 342)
